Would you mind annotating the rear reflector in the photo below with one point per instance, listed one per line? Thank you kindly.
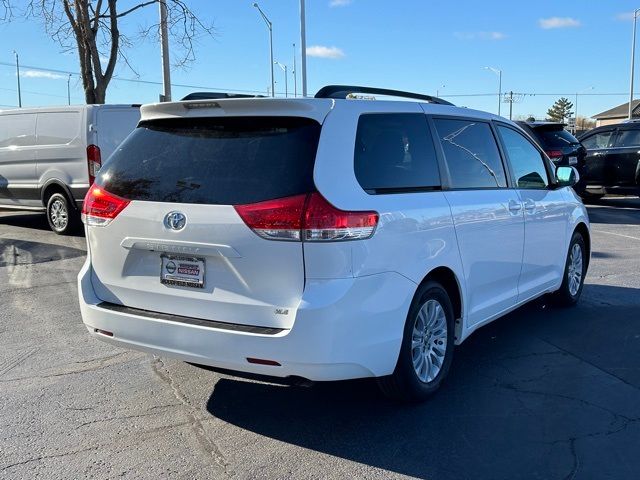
(554, 155)
(103, 332)
(101, 207)
(310, 218)
(94, 162)
(262, 361)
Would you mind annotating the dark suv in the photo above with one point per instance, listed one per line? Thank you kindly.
(613, 159)
(559, 145)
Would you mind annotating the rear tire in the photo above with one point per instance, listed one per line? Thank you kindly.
(62, 217)
(575, 270)
(427, 347)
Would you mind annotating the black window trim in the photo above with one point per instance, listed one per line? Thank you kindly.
(444, 168)
(401, 190)
(551, 175)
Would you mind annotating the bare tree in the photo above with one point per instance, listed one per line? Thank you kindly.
(92, 27)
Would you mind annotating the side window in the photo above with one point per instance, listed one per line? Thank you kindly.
(471, 154)
(57, 128)
(395, 151)
(526, 161)
(599, 140)
(17, 130)
(628, 138)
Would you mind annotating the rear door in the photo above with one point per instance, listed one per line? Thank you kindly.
(487, 215)
(545, 215)
(626, 156)
(600, 171)
(200, 168)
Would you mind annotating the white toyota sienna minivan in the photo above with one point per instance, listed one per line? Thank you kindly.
(325, 238)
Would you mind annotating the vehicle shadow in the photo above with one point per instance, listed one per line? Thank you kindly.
(518, 393)
(615, 210)
(33, 220)
(22, 252)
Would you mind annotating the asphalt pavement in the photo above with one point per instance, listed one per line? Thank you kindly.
(542, 393)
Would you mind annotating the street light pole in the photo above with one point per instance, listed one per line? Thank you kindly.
(270, 27)
(438, 90)
(286, 85)
(498, 72)
(68, 90)
(295, 77)
(18, 77)
(633, 55)
(303, 47)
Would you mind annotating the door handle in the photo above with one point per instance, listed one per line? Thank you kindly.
(529, 204)
(514, 206)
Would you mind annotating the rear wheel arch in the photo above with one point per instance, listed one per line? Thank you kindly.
(54, 186)
(449, 281)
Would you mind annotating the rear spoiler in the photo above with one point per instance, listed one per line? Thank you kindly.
(316, 109)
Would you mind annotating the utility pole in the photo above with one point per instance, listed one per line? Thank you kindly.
(510, 105)
(295, 77)
(633, 55)
(303, 47)
(18, 77)
(68, 90)
(164, 51)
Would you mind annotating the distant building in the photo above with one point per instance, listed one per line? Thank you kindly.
(617, 114)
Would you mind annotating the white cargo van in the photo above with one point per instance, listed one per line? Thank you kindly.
(50, 155)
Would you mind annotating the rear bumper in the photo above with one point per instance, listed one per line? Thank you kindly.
(344, 328)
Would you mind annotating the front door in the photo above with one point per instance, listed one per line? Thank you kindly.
(545, 216)
(599, 170)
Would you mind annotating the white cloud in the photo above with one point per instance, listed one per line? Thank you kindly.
(321, 51)
(41, 74)
(339, 3)
(480, 35)
(624, 16)
(558, 22)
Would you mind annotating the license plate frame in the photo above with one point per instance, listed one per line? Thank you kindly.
(182, 271)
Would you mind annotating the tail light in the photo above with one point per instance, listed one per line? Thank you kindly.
(555, 155)
(101, 207)
(94, 162)
(310, 218)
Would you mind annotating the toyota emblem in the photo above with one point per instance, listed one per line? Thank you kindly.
(175, 220)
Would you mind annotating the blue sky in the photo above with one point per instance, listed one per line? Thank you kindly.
(542, 47)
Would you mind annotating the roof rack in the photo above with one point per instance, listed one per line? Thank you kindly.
(217, 96)
(343, 91)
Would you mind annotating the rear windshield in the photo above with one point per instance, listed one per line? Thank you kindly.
(555, 138)
(222, 161)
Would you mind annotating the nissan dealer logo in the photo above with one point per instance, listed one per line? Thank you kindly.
(175, 220)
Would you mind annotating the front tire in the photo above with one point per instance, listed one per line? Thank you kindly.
(60, 215)
(427, 347)
(574, 272)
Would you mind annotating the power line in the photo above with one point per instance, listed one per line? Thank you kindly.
(135, 80)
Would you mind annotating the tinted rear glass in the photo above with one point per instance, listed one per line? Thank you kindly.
(555, 138)
(224, 161)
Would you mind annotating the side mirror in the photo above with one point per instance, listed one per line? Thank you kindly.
(567, 176)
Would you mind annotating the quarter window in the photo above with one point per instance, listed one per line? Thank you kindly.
(599, 140)
(471, 154)
(526, 161)
(395, 152)
(57, 128)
